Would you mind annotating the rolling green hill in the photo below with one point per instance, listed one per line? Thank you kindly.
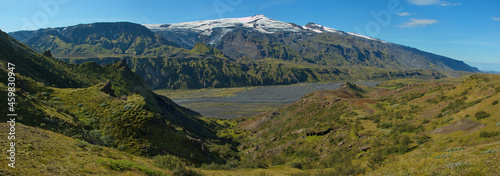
(42, 152)
(445, 127)
(103, 105)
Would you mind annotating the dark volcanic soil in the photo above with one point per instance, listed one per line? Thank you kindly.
(256, 100)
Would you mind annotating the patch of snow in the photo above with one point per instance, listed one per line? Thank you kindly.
(319, 28)
(366, 37)
(258, 23)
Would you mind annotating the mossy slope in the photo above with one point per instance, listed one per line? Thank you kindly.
(357, 129)
(76, 101)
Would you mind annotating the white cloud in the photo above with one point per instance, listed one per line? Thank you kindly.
(417, 23)
(433, 2)
(403, 14)
(496, 18)
(444, 3)
(423, 2)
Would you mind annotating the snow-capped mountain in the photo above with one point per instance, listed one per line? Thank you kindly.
(258, 23)
(238, 39)
(259, 37)
(214, 30)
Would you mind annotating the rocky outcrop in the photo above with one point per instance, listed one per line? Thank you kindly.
(107, 89)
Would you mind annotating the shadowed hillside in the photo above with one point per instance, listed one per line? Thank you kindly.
(103, 105)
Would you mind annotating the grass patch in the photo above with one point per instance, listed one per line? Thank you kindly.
(175, 164)
(123, 165)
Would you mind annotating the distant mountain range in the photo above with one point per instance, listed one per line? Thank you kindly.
(492, 72)
(248, 48)
(97, 38)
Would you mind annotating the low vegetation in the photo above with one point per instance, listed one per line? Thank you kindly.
(104, 120)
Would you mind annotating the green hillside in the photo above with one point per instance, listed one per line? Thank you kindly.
(42, 152)
(445, 127)
(103, 105)
(98, 38)
(195, 71)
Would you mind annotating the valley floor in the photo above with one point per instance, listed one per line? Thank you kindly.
(236, 102)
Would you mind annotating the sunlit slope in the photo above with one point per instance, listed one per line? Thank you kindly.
(357, 129)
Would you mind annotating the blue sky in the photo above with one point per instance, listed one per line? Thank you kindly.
(461, 29)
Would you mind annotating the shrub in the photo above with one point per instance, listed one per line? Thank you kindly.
(103, 104)
(457, 164)
(449, 119)
(121, 165)
(488, 151)
(277, 160)
(306, 153)
(47, 53)
(458, 105)
(485, 134)
(423, 139)
(384, 125)
(405, 127)
(174, 164)
(498, 124)
(481, 115)
(127, 107)
(82, 144)
(224, 151)
(426, 121)
(456, 149)
(296, 164)
(79, 104)
(494, 102)
(168, 162)
(56, 99)
(443, 156)
(376, 160)
(439, 115)
(259, 163)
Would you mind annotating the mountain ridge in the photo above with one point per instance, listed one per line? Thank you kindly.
(260, 23)
(97, 38)
(258, 36)
(297, 53)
